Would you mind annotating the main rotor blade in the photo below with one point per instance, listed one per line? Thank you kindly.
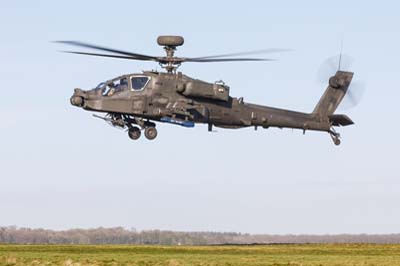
(101, 48)
(165, 60)
(109, 55)
(205, 60)
(263, 51)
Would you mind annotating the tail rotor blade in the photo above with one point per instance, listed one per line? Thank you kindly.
(329, 67)
(342, 62)
(354, 95)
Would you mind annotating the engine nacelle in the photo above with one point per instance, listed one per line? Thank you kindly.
(216, 91)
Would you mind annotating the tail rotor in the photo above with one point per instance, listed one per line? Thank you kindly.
(342, 62)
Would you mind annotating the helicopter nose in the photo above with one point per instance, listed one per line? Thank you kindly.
(77, 98)
(77, 101)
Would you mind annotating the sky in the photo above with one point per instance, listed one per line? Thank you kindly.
(61, 168)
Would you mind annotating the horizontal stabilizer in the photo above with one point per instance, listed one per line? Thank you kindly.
(340, 120)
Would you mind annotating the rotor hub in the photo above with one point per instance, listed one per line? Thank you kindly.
(170, 43)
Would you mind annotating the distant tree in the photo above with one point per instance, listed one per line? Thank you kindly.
(119, 235)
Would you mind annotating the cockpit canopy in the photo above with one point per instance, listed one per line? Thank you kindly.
(133, 83)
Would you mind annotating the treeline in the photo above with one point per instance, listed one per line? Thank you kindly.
(119, 235)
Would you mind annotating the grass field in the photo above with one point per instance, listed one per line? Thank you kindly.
(321, 254)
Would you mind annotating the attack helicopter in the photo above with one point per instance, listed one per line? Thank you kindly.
(138, 101)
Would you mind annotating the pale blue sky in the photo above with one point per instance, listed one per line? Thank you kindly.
(61, 168)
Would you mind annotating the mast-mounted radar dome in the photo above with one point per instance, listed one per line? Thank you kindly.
(171, 41)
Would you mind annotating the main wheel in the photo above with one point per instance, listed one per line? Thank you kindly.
(134, 133)
(150, 133)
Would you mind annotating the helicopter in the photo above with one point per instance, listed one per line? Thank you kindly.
(136, 102)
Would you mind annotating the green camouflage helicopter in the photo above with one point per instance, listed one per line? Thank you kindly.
(137, 101)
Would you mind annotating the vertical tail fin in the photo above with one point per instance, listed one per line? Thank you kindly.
(334, 94)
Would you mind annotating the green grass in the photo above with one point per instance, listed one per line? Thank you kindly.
(315, 254)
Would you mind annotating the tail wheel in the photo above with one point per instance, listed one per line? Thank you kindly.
(336, 141)
(150, 133)
(134, 133)
(335, 137)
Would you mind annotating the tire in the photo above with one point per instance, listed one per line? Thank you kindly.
(134, 133)
(150, 133)
(337, 142)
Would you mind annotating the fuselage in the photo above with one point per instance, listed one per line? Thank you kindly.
(154, 96)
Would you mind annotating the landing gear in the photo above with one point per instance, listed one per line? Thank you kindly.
(335, 137)
(150, 133)
(134, 133)
(126, 121)
(336, 140)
